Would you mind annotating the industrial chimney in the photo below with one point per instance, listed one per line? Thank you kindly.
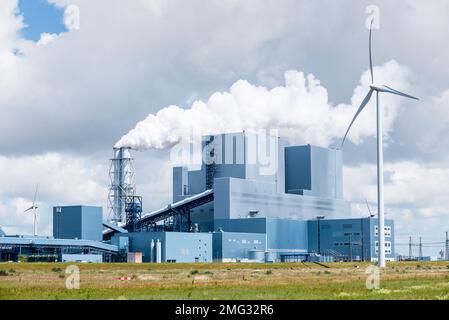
(121, 174)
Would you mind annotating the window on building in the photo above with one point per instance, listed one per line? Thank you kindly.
(387, 231)
(387, 251)
(387, 244)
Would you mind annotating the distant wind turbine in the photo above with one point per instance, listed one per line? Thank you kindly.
(34, 208)
(369, 209)
(378, 88)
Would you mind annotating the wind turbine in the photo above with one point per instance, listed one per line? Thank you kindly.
(34, 208)
(378, 88)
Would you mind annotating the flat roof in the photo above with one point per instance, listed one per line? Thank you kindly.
(40, 241)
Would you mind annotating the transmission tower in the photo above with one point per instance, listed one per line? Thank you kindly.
(410, 246)
(420, 249)
(447, 247)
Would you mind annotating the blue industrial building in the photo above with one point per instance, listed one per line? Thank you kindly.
(254, 198)
(167, 246)
(78, 222)
(352, 239)
(259, 199)
(77, 236)
(49, 249)
(235, 246)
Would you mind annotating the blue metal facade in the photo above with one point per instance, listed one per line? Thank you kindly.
(12, 247)
(243, 186)
(356, 239)
(232, 246)
(51, 242)
(308, 183)
(187, 247)
(235, 155)
(238, 198)
(282, 234)
(78, 222)
(314, 171)
(287, 235)
(93, 258)
(176, 246)
(253, 210)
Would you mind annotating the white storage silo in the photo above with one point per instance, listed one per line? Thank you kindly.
(158, 251)
(152, 251)
(256, 255)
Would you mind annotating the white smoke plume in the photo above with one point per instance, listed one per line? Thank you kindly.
(300, 110)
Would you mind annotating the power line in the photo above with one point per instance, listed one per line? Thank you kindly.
(424, 243)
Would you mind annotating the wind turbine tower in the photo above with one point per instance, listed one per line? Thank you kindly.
(378, 88)
(34, 208)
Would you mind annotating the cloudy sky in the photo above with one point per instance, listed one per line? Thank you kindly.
(69, 90)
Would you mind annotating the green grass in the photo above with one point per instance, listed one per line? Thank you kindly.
(401, 280)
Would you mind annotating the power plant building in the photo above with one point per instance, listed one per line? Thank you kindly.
(78, 222)
(257, 196)
(254, 198)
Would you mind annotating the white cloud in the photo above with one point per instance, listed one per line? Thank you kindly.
(128, 59)
(46, 38)
(407, 184)
(15, 221)
(433, 132)
(65, 179)
(11, 22)
(62, 179)
(301, 107)
(415, 197)
(72, 17)
(10, 25)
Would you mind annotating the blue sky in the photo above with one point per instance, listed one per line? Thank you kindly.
(41, 17)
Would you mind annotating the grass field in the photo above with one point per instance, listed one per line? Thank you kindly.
(401, 280)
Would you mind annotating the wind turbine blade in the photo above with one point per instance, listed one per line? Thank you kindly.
(362, 106)
(35, 194)
(30, 208)
(370, 51)
(388, 89)
(369, 209)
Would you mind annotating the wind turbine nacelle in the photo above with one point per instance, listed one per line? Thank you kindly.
(377, 87)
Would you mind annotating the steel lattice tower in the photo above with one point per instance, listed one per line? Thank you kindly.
(122, 186)
(447, 247)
